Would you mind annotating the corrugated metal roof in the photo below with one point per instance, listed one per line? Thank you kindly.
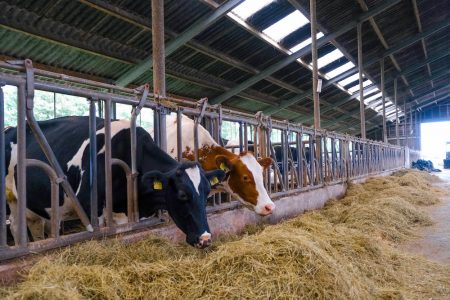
(106, 38)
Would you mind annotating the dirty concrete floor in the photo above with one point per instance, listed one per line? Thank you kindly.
(433, 242)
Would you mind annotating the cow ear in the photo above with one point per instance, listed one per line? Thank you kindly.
(223, 163)
(215, 177)
(154, 181)
(265, 162)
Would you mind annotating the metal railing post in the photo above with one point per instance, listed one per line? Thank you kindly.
(108, 164)
(21, 168)
(2, 170)
(179, 133)
(93, 163)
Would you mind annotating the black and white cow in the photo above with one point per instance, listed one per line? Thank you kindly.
(279, 155)
(163, 183)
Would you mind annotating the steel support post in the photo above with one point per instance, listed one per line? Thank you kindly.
(396, 113)
(108, 164)
(2, 170)
(241, 137)
(419, 131)
(300, 158)
(411, 127)
(416, 115)
(20, 218)
(383, 100)
(159, 65)
(361, 90)
(93, 163)
(315, 71)
(315, 75)
(179, 137)
(405, 122)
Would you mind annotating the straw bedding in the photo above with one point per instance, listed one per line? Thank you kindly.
(345, 251)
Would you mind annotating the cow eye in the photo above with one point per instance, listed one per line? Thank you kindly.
(245, 178)
(183, 196)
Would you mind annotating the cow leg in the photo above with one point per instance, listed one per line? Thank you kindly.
(36, 225)
(13, 221)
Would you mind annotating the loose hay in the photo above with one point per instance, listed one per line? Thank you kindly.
(345, 251)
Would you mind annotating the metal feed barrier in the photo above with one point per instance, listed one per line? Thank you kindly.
(310, 159)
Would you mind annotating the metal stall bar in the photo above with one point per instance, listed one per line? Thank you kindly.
(108, 164)
(21, 238)
(397, 141)
(130, 188)
(299, 158)
(2, 170)
(241, 137)
(312, 158)
(325, 158)
(203, 103)
(179, 137)
(319, 157)
(54, 184)
(93, 179)
(285, 148)
(383, 95)
(43, 143)
(245, 136)
(133, 202)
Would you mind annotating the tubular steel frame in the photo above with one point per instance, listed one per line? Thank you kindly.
(322, 158)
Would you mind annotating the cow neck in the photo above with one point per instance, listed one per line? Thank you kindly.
(207, 156)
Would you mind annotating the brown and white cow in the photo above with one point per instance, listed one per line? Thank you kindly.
(244, 179)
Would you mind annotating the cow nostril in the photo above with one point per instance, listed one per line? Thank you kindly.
(269, 208)
(204, 243)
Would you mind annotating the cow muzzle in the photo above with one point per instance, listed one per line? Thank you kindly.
(267, 209)
(204, 240)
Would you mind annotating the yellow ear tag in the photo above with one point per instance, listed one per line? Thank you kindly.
(214, 180)
(157, 185)
(224, 167)
(9, 195)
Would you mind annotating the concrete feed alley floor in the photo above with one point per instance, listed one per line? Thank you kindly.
(433, 242)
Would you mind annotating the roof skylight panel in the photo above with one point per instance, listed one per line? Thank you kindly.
(375, 104)
(329, 58)
(339, 70)
(380, 107)
(349, 80)
(392, 114)
(377, 95)
(369, 92)
(390, 109)
(249, 7)
(285, 26)
(305, 43)
(355, 88)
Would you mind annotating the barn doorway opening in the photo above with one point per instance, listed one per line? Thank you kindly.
(433, 141)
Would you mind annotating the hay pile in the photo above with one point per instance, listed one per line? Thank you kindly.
(345, 251)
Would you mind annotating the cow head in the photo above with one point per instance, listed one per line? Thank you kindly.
(184, 191)
(245, 180)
